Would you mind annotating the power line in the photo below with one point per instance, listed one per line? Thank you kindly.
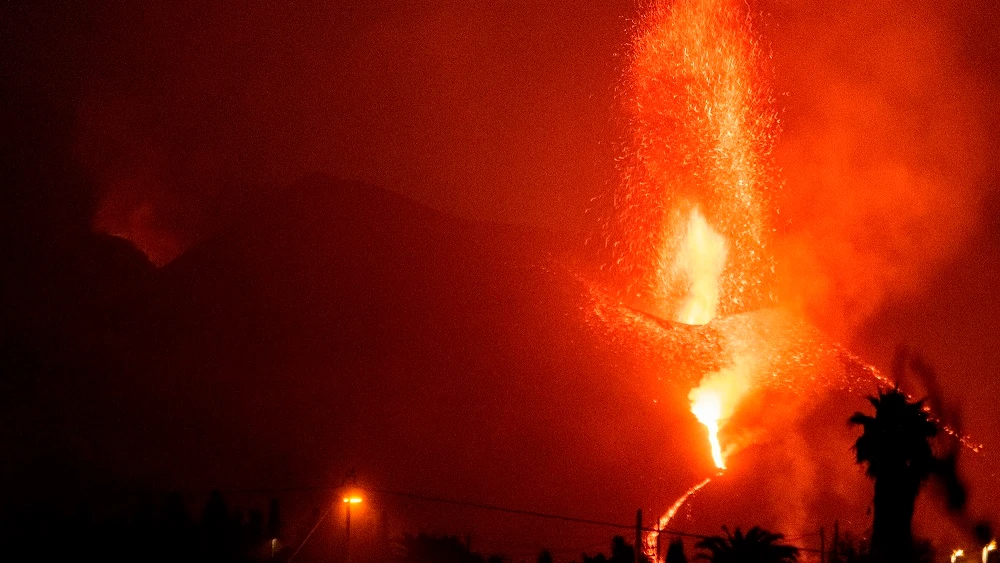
(563, 551)
(507, 510)
(504, 509)
(309, 535)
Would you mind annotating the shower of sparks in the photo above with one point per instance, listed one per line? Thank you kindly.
(693, 213)
(702, 124)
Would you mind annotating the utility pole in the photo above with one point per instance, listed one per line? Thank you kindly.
(348, 542)
(835, 549)
(638, 536)
(348, 501)
(350, 497)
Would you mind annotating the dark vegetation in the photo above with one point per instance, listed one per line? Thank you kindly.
(155, 533)
(621, 552)
(426, 548)
(896, 451)
(757, 546)
(894, 447)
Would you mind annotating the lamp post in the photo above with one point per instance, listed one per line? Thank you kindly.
(348, 501)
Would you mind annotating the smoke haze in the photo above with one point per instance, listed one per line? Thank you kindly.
(506, 112)
(884, 152)
(491, 111)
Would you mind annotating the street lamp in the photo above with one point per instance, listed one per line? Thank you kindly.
(348, 501)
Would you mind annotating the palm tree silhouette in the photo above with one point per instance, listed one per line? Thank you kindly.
(896, 446)
(757, 546)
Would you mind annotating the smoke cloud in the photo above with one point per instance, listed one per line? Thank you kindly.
(883, 152)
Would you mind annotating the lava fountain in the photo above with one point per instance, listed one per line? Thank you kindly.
(698, 179)
(700, 260)
(692, 217)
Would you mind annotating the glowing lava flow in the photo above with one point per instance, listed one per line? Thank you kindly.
(666, 518)
(650, 544)
(707, 408)
(715, 399)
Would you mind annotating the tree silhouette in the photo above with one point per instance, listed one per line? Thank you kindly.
(896, 448)
(621, 552)
(274, 519)
(675, 553)
(426, 548)
(757, 546)
(849, 549)
(158, 532)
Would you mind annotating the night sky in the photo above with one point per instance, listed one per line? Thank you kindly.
(253, 246)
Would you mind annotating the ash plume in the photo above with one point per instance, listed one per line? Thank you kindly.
(883, 153)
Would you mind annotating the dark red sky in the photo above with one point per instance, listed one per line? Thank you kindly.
(170, 117)
(494, 110)
(491, 110)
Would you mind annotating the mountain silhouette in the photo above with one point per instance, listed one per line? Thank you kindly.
(334, 325)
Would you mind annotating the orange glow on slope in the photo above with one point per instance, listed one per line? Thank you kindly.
(700, 259)
(122, 215)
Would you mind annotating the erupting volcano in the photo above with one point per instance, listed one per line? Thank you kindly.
(693, 222)
(253, 248)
